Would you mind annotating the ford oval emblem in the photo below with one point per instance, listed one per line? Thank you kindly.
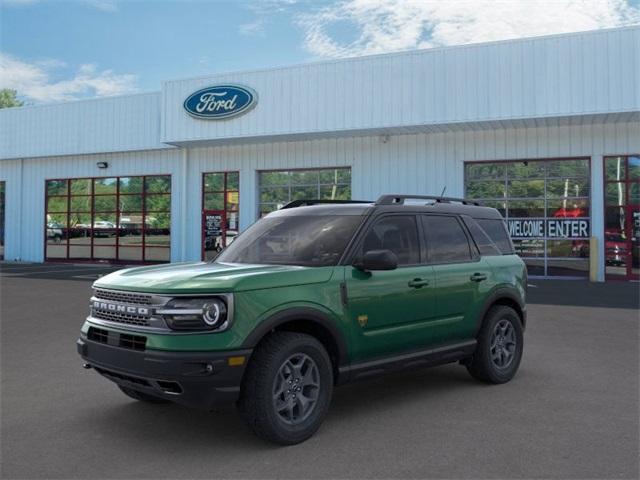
(220, 101)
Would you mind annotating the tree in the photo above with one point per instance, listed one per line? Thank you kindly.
(8, 98)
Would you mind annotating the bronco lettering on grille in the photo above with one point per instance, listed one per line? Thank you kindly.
(114, 307)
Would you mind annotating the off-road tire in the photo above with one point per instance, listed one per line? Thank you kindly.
(256, 404)
(482, 366)
(141, 396)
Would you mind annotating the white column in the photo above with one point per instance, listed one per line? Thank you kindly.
(597, 211)
(248, 197)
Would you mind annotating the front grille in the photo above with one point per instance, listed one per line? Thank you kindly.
(124, 297)
(126, 318)
(132, 342)
(98, 335)
(122, 340)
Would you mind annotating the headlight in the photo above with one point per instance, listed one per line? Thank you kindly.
(195, 314)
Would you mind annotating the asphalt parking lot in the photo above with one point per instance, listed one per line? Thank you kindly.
(571, 412)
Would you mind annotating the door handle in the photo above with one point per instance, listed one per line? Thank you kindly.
(418, 282)
(478, 277)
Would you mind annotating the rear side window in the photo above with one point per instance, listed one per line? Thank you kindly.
(397, 233)
(497, 232)
(481, 239)
(446, 240)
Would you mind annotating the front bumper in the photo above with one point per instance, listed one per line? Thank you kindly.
(195, 379)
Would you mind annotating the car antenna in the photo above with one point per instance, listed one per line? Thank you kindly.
(442, 194)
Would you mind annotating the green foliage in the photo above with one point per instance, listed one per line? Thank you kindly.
(8, 98)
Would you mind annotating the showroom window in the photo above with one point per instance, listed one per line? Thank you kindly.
(278, 187)
(2, 188)
(546, 204)
(622, 217)
(123, 219)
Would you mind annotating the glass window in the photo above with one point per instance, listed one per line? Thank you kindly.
(544, 199)
(56, 187)
(526, 169)
(103, 218)
(214, 182)
(486, 189)
(80, 186)
(634, 168)
(277, 188)
(615, 168)
(483, 242)
(446, 240)
(158, 184)
(497, 233)
(313, 241)
(398, 234)
(131, 185)
(484, 171)
(526, 208)
(103, 186)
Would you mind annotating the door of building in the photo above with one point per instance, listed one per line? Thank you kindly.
(220, 220)
(622, 217)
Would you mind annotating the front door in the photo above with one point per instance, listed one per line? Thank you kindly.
(220, 219)
(213, 233)
(622, 217)
(390, 310)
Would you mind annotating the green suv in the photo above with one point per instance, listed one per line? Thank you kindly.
(309, 297)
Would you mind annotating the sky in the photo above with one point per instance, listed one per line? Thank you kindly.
(61, 50)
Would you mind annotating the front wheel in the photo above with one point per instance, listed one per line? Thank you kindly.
(287, 388)
(500, 344)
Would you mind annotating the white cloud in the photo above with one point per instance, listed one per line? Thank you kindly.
(390, 25)
(252, 28)
(33, 81)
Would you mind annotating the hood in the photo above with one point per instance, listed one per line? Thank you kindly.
(204, 277)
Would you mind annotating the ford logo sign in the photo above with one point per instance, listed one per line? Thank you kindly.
(220, 101)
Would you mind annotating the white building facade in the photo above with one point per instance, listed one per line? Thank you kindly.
(545, 129)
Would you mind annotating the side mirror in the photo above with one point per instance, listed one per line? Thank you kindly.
(377, 260)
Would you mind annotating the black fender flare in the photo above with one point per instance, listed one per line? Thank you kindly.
(498, 294)
(300, 313)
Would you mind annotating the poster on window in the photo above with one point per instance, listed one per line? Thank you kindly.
(549, 228)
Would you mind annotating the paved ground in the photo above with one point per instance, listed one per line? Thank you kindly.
(572, 411)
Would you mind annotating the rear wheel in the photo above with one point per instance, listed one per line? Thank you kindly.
(287, 388)
(141, 396)
(500, 344)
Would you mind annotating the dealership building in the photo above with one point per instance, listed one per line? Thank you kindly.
(545, 129)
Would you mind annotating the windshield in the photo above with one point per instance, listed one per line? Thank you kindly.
(313, 241)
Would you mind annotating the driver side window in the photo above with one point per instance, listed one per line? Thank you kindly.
(397, 233)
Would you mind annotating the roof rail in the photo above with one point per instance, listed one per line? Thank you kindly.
(309, 202)
(399, 199)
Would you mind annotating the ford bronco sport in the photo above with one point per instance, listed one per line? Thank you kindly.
(311, 296)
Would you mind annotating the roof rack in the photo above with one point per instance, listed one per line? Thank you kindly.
(309, 202)
(399, 199)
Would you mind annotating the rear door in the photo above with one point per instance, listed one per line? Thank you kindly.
(460, 273)
(390, 310)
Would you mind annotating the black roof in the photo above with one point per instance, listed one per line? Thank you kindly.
(390, 203)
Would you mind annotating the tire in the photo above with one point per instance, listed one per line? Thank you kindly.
(141, 396)
(280, 362)
(492, 363)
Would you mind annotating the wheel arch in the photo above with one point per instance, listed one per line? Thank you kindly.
(305, 320)
(504, 296)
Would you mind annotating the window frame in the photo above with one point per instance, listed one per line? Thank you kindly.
(91, 195)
